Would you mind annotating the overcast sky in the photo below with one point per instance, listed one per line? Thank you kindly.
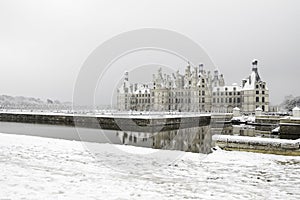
(43, 44)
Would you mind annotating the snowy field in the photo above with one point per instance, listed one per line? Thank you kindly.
(44, 168)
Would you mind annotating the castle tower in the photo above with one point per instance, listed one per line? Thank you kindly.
(255, 92)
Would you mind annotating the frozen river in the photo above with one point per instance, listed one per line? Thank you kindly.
(44, 168)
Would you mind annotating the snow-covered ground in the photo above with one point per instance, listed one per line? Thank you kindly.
(246, 139)
(44, 168)
(244, 118)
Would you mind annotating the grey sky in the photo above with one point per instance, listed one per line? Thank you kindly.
(44, 43)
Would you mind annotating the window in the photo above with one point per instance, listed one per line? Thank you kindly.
(263, 99)
(257, 99)
(203, 100)
(257, 92)
(238, 100)
(256, 86)
(230, 100)
(263, 86)
(263, 92)
(214, 100)
(203, 93)
(230, 93)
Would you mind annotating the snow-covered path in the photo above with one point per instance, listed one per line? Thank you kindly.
(44, 168)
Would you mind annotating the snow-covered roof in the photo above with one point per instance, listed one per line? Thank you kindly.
(296, 108)
(236, 108)
(252, 80)
(258, 109)
(250, 83)
(229, 88)
(142, 89)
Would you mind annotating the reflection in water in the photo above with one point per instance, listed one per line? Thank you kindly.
(196, 139)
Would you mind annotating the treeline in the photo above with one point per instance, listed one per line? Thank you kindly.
(7, 101)
(290, 102)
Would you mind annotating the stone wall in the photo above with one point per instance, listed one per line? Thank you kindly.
(141, 124)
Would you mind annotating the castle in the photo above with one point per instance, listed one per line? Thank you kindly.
(197, 90)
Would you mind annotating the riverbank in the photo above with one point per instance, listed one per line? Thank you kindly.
(258, 145)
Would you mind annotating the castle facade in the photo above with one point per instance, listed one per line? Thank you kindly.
(197, 90)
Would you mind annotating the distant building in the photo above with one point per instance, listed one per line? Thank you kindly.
(195, 91)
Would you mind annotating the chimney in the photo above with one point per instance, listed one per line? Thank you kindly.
(244, 82)
(254, 65)
(201, 67)
(216, 74)
(126, 75)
